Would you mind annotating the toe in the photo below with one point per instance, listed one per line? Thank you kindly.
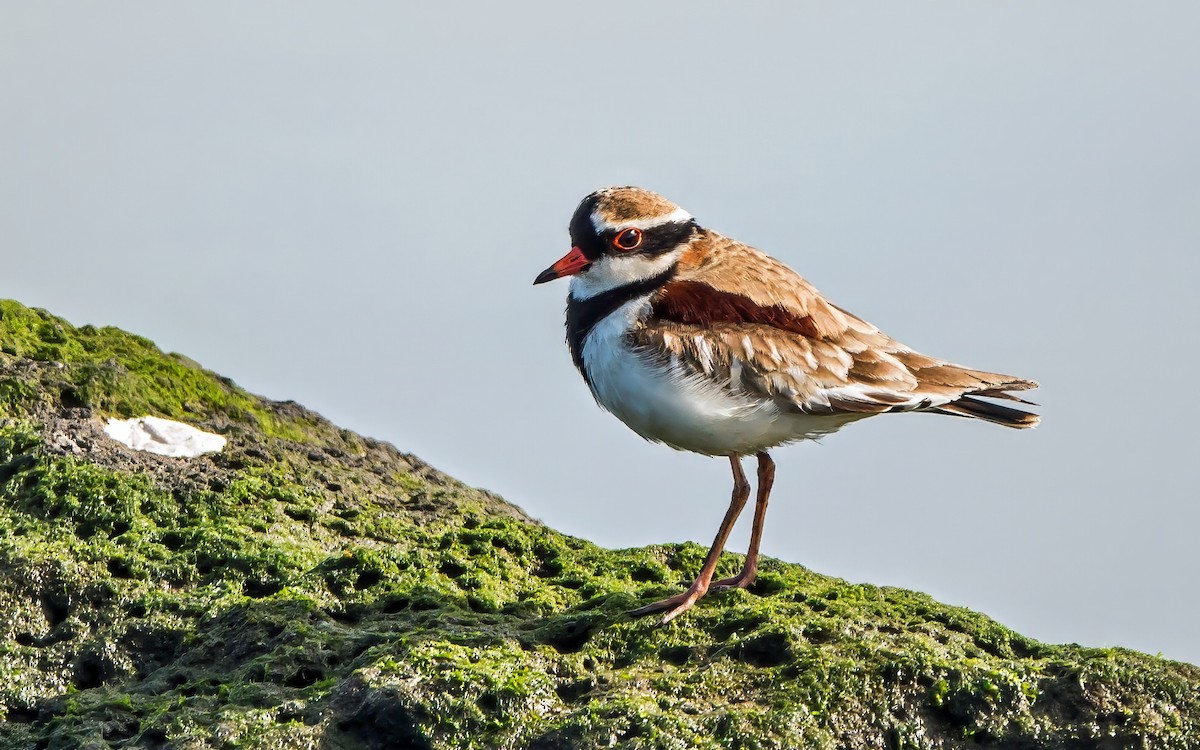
(673, 606)
(740, 581)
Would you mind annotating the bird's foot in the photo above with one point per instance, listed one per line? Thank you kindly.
(740, 581)
(672, 605)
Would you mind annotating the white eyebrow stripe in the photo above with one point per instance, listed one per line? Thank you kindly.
(676, 216)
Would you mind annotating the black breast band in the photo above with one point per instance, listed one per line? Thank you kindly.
(584, 314)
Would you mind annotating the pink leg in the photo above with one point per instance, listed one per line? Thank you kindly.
(766, 477)
(680, 603)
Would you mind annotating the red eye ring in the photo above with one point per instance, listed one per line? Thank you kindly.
(628, 239)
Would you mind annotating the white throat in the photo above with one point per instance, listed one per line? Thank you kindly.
(614, 271)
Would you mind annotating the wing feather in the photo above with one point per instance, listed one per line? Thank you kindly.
(767, 332)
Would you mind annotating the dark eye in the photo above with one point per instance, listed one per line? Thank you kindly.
(628, 239)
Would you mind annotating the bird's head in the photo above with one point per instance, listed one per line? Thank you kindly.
(620, 236)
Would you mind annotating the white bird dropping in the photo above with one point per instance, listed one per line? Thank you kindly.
(165, 437)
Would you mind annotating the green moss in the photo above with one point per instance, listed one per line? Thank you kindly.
(308, 587)
(491, 696)
(120, 374)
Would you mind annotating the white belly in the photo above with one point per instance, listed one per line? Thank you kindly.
(686, 410)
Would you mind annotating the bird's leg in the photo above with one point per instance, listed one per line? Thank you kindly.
(766, 477)
(675, 605)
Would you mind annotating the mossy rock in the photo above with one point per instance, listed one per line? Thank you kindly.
(308, 587)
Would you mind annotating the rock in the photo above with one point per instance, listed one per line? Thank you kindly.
(308, 587)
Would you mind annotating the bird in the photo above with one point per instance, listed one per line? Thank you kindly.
(708, 345)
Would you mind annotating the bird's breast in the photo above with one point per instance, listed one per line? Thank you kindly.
(664, 401)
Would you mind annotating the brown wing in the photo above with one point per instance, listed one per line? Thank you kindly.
(729, 266)
(771, 334)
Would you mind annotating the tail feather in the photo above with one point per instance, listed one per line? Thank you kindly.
(998, 393)
(967, 388)
(968, 406)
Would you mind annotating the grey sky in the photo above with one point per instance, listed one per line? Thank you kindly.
(345, 204)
